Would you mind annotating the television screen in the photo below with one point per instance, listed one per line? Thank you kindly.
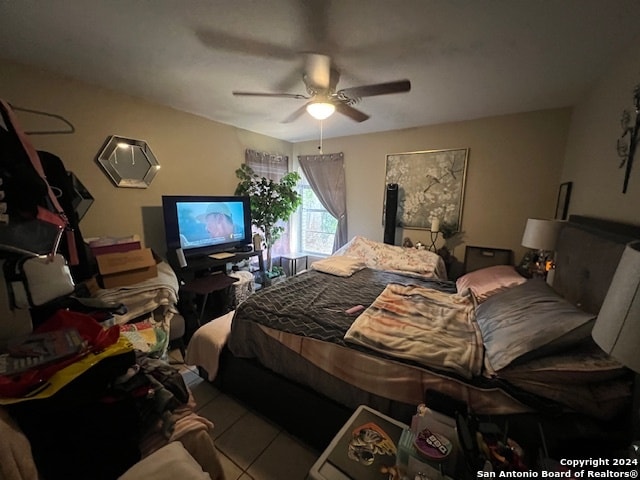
(201, 224)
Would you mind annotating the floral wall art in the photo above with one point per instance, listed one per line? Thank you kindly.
(430, 188)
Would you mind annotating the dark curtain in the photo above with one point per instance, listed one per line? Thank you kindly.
(325, 174)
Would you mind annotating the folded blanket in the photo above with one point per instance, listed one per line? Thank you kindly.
(429, 327)
(340, 265)
(145, 296)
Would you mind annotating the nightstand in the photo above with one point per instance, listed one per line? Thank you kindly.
(292, 261)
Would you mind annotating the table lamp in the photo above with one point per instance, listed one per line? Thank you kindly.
(541, 235)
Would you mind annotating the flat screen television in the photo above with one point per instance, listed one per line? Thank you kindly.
(202, 225)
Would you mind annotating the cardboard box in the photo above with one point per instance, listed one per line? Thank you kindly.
(104, 245)
(126, 268)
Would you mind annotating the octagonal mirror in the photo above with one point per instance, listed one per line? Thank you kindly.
(128, 162)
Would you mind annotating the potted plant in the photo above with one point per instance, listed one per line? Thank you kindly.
(271, 202)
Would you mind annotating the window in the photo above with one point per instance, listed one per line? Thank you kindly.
(274, 167)
(317, 227)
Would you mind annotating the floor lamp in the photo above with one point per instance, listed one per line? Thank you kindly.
(617, 328)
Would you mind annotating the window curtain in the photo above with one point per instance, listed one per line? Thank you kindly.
(268, 165)
(325, 174)
(272, 166)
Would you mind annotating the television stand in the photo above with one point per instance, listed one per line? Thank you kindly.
(203, 276)
(204, 265)
(222, 255)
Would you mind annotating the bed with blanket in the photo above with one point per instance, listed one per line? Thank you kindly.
(380, 325)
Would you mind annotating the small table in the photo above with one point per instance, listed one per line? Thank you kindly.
(292, 260)
(205, 285)
(365, 423)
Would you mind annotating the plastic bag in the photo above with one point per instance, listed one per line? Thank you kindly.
(47, 379)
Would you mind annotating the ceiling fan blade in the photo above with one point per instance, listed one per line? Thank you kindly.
(317, 72)
(237, 44)
(377, 89)
(351, 112)
(334, 79)
(296, 114)
(272, 95)
(316, 26)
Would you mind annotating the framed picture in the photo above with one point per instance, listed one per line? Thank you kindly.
(562, 205)
(430, 187)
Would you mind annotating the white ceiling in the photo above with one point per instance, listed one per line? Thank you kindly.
(465, 58)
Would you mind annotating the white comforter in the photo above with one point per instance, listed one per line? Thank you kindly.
(408, 261)
(424, 325)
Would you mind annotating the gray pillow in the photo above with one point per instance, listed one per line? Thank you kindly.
(529, 321)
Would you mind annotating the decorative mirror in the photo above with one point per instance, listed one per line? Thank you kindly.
(128, 162)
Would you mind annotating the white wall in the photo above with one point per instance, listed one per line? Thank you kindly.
(591, 161)
(513, 173)
(197, 156)
(516, 161)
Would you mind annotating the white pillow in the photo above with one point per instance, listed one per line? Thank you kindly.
(340, 265)
(488, 281)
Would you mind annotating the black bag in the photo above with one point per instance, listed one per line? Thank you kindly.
(32, 221)
(60, 180)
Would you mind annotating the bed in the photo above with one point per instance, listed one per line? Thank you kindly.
(298, 355)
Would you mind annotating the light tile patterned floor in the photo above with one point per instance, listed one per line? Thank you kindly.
(250, 446)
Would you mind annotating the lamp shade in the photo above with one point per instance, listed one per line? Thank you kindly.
(541, 234)
(617, 328)
(321, 110)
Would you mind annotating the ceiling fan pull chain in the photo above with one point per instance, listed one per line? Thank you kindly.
(320, 147)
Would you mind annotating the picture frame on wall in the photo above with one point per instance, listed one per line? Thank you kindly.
(431, 187)
(562, 205)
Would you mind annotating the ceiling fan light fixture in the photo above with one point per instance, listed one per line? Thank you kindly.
(321, 110)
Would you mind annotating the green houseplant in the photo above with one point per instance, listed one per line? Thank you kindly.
(271, 202)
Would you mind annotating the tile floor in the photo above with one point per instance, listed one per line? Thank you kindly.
(250, 446)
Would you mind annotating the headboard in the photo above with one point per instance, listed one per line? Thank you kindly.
(587, 255)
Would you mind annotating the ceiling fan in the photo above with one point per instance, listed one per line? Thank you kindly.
(320, 79)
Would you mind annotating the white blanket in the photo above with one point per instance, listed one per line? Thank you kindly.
(171, 462)
(424, 325)
(408, 261)
(207, 342)
(145, 296)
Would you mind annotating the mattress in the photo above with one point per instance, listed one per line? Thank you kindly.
(297, 329)
(314, 304)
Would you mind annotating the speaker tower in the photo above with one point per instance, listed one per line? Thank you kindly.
(182, 261)
(390, 213)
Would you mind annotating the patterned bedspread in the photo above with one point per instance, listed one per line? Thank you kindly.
(313, 304)
(297, 329)
(432, 328)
